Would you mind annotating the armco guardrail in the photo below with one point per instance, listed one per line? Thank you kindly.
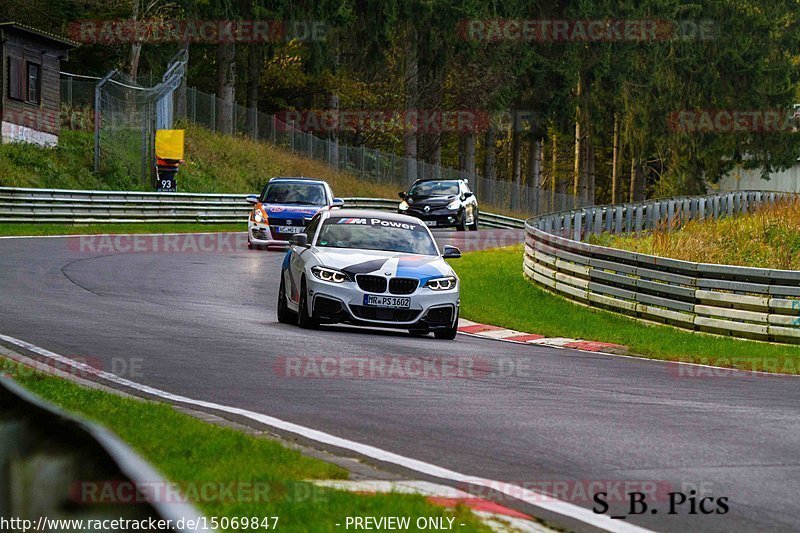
(57, 467)
(77, 206)
(731, 300)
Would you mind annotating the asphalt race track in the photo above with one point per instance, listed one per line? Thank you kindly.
(202, 324)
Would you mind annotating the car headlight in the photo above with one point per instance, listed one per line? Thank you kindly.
(257, 216)
(329, 274)
(403, 206)
(455, 204)
(441, 284)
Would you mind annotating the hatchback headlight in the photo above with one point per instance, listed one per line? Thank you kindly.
(329, 274)
(455, 204)
(403, 206)
(441, 284)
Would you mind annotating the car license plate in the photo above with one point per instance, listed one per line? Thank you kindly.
(290, 229)
(430, 223)
(387, 301)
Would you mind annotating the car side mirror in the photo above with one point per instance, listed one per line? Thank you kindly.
(451, 252)
(252, 198)
(468, 195)
(338, 202)
(402, 195)
(300, 239)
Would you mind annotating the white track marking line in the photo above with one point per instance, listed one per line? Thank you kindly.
(531, 497)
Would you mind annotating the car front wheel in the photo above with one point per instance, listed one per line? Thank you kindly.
(305, 320)
(461, 221)
(285, 315)
(474, 225)
(449, 333)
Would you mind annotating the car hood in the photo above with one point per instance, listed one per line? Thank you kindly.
(433, 201)
(380, 263)
(291, 211)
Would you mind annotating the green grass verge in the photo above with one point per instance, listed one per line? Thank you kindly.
(188, 451)
(518, 304)
(103, 228)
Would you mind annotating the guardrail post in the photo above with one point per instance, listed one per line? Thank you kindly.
(618, 219)
(577, 225)
(611, 213)
(638, 219)
(598, 220)
(656, 215)
(588, 214)
(628, 218)
(567, 224)
(670, 214)
(731, 199)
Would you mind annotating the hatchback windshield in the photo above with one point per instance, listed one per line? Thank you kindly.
(376, 234)
(434, 188)
(294, 193)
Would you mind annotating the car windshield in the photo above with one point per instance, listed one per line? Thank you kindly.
(434, 188)
(376, 234)
(294, 193)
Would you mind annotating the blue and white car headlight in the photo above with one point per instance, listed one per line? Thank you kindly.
(329, 274)
(442, 284)
(257, 216)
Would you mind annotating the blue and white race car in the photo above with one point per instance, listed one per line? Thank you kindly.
(369, 268)
(284, 208)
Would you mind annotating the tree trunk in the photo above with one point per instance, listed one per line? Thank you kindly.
(637, 185)
(615, 156)
(576, 175)
(226, 86)
(333, 145)
(180, 93)
(516, 160)
(590, 171)
(467, 157)
(411, 76)
(255, 58)
(553, 174)
(535, 171)
(136, 47)
(490, 159)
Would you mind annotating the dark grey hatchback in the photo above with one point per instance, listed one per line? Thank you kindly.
(441, 203)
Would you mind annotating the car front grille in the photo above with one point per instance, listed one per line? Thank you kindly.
(383, 314)
(403, 285)
(369, 283)
(275, 221)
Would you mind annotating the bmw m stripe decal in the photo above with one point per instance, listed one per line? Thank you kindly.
(418, 266)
